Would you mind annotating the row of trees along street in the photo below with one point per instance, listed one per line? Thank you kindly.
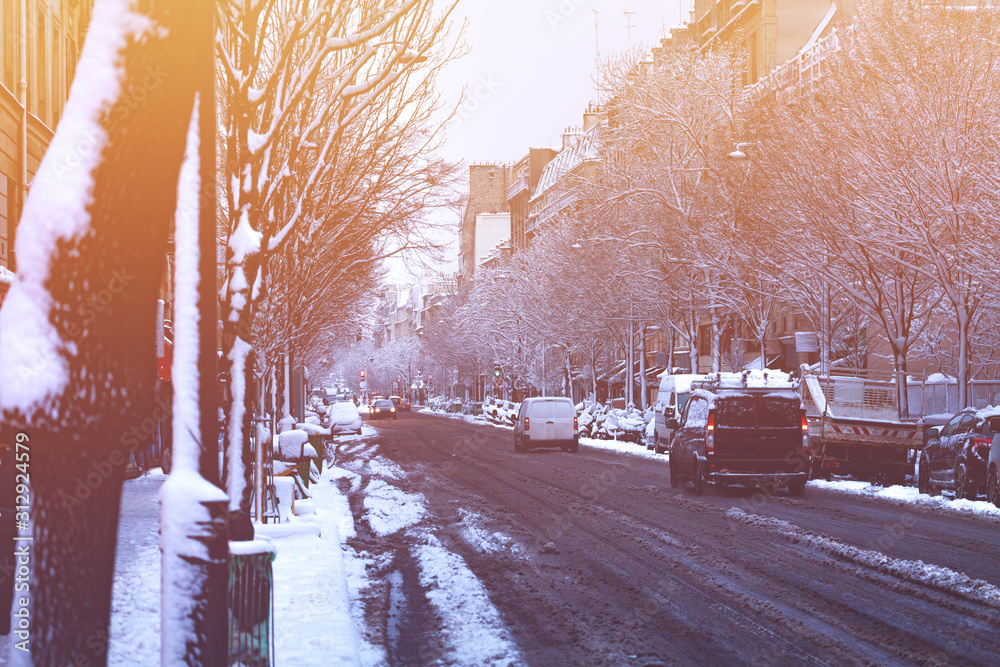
(328, 122)
(865, 205)
(332, 118)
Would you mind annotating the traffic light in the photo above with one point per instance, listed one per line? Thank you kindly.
(362, 375)
(497, 371)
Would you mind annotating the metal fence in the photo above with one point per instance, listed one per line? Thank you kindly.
(872, 395)
(251, 604)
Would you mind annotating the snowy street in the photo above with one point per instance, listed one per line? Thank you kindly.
(458, 551)
(593, 559)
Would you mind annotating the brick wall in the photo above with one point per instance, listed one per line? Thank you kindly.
(488, 185)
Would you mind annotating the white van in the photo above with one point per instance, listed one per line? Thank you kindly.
(670, 401)
(547, 422)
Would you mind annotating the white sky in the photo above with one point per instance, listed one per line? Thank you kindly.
(529, 74)
(530, 67)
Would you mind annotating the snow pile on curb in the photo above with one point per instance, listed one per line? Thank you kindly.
(620, 447)
(916, 571)
(472, 625)
(908, 495)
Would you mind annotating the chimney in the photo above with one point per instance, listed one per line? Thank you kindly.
(591, 116)
(571, 135)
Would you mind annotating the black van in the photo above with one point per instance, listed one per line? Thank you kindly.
(746, 436)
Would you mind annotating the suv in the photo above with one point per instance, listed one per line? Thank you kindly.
(956, 456)
(741, 435)
(546, 422)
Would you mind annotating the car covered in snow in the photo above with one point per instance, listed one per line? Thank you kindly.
(490, 406)
(382, 409)
(741, 434)
(546, 422)
(507, 412)
(956, 455)
(343, 418)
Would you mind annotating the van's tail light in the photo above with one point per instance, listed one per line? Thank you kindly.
(576, 423)
(527, 424)
(710, 434)
(805, 435)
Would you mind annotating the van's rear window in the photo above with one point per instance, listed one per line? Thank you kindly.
(552, 410)
(780, 412)
(736, 412)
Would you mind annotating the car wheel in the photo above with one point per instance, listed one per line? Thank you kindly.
(924, 477)
(993, 487)
(699, 479)
(675, 478)
(575, 447)
(963, 489)
(517, 444)
(797, 488)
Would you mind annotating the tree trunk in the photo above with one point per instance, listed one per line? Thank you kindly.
(95, 227)
(962, 320)
(642, 365)
(716, 342)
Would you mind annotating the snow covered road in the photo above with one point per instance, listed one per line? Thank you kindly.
(593, 559)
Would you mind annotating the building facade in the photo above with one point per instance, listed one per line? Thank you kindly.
(45, 35)
(488, 185)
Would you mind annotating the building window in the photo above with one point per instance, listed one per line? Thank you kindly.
(9, 54)
(57, 86)
(41, 67)
(705, 340)
(3, 222)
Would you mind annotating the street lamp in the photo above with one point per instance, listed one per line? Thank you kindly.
(738, 154)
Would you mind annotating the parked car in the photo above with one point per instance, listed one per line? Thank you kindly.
(490, 406)
(507, 412)
(343, 417)
(670, 401)
(546, 422)
(402, 404)
(748, 436)
(382, 409)
(957, 454)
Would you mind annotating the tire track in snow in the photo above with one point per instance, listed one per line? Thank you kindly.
(474, 632)
(918, 572)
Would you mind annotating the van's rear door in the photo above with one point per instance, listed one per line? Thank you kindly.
(779, 429)
(563, 414)
(542, 424)
(735, 420)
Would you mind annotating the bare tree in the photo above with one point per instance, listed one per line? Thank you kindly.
(307, 84)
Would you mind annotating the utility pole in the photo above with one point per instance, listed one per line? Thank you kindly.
(597, 39)
(628, 26)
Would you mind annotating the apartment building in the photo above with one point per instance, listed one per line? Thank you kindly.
(46, 36)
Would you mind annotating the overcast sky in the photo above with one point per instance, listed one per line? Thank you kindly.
(530, 67)
(528, 75)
